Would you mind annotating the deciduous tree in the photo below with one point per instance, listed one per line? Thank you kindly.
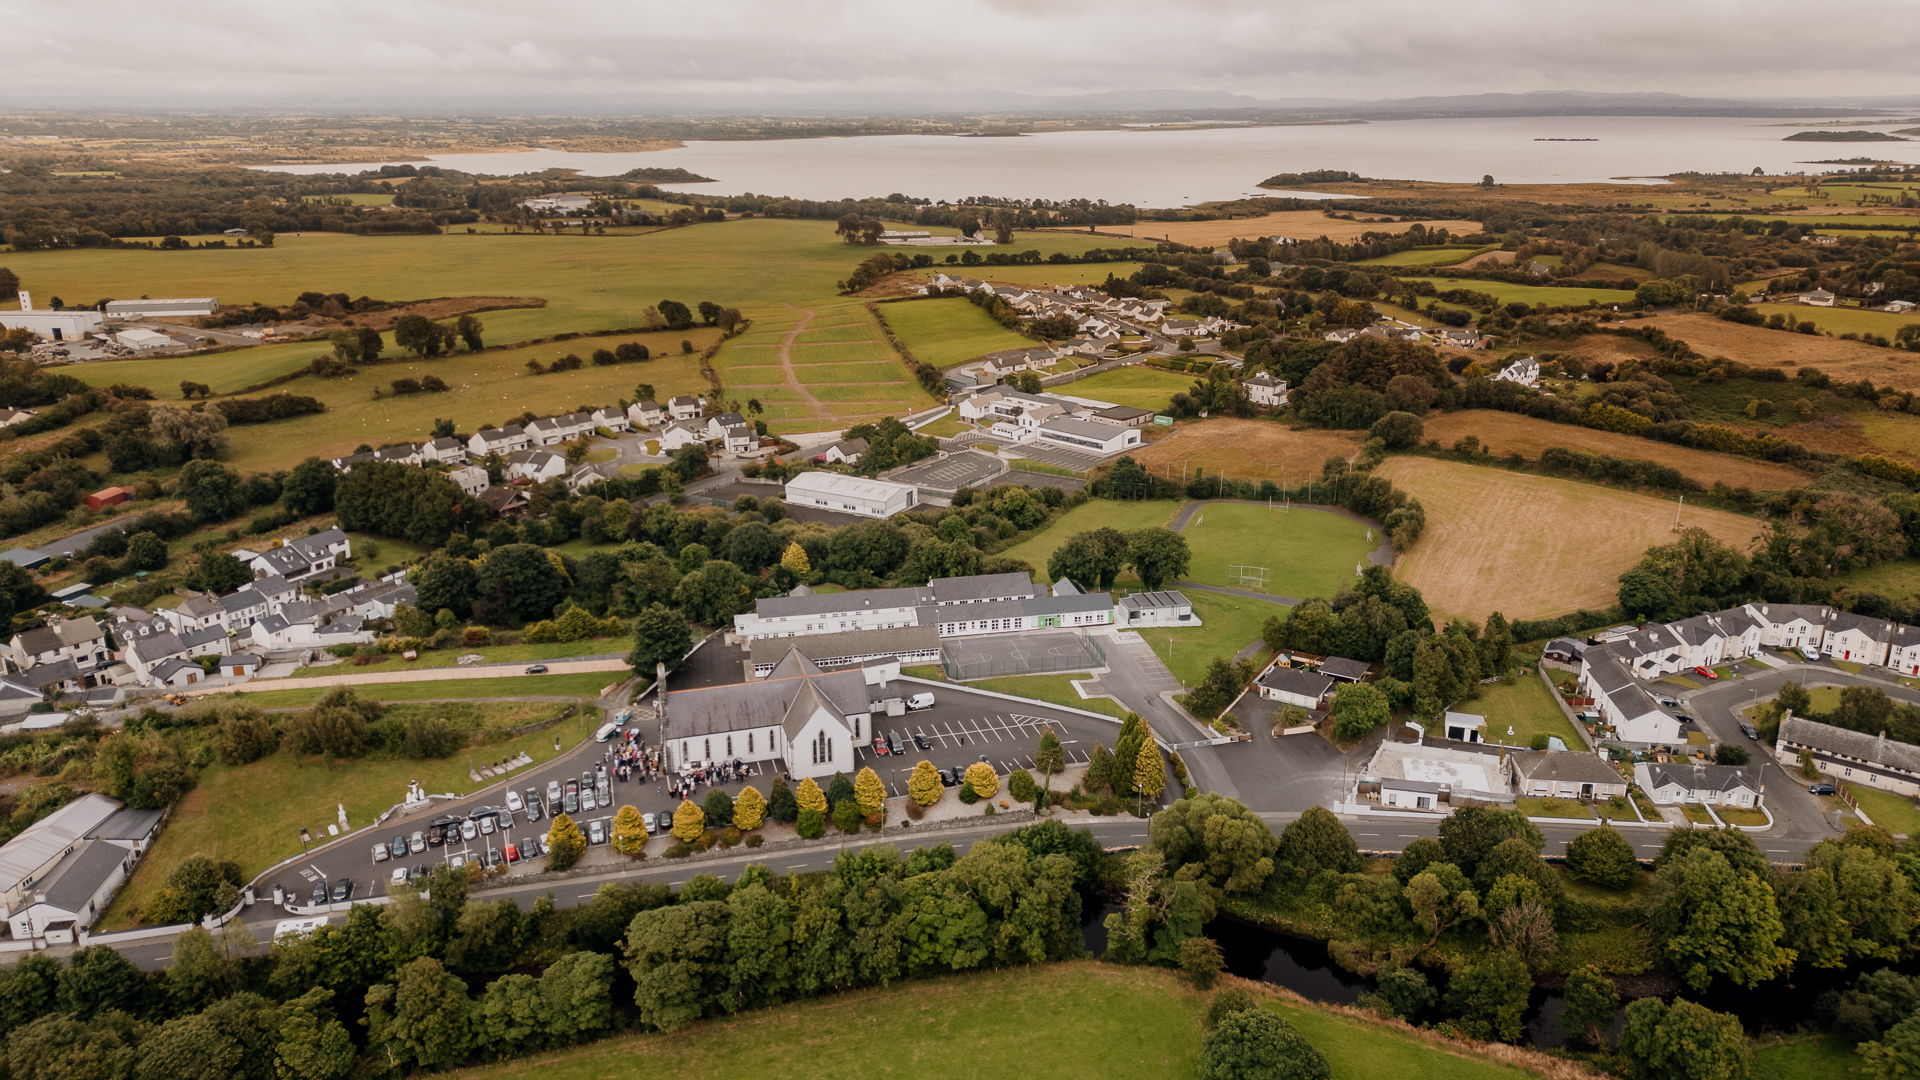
(423, 1016)
(1591, 1002)
(1604, 857)
(1711, 920)
(1158, 556)
(1682, 1041)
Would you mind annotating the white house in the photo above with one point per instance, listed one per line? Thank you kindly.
(554, 430)
(1792, 626)
(1525, 371)
(1168, 608)
(1853, 756)
(683, 407)
(447, 451)
(1721, 785)
(850, 494)
(1181, 328)
(1294, 686)
(1857, 638)
(1903, 652)
(716, 426)
(147, 654)
(646, 414)
(1817, 298)
(1623, 703)
(471, 479)
(10, 417)
(679, 434)
(1086, 435)
(740, 440)
(1264, 389)
(1464, 727)
(799, 715)
(498, 440)
(240, 666)
(535, 466)
(844, 452)
(611, 418)
(79, 640)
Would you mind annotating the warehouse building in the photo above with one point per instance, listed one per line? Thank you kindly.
(143, 309)
(850, 494)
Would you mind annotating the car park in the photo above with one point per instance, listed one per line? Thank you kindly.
(343, 890)
(537, 669)
(553, 792)
(533, 805)
(399, 846)
(596, 833)
(1821, 789)
(319, 893)
(469, 831)
(922, 700)
(514, 805)
(399, 876)
(418, 844)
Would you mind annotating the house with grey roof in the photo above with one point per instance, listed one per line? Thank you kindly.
(1853, 756)
(807, 718)
(1734, 786)
(535, 466)
(1623, 703)
(1564, 774)
(501, 441)
(447, 451)
(554, 430)
(647, 413)
(34, 857)
(1857, 638)
(195, 612)
(147, 654)
(79, 640)
(1294, 686)
(613, 418)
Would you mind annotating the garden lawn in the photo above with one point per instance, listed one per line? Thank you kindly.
(1357, 1048)
(1525, 704)
(1057, 689)
(1807, 1057)
(1894, 813)
(949, 331)
(585, 684)
(252, 814)
(1140, 387)
(1227, 625)
(1555, 808)
(1306, 552)
(494, 654)
(1093, 514)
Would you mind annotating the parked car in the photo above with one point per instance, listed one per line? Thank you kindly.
(533, 805)
(514, 804)
(652, 823)
(893, 743)
(1705, 672)
(436, 834)
(319, 893)
(572, 803)
(399, 846)
(603, 791)
(380, 853)
(537, 669)
(553, 792)
(920, 741)
(494, 858)
(1749, 730)
(922, 700)
(596, 833)
(880, 744)
(586, 800)
(419, 877)
(533, 847)
(488, 824)
(418, 843)
(457, 862)
(399, 876)
(469, 831)
(513, 853)
(949, 777)
(1670, 703)
(1821, 789)
(342, 890)
(586, 781)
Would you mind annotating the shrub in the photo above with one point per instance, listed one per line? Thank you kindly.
(847, 816)
(1021, 786)
(968, 795)
(1257, 1043)
(475, 636)
(1604, 857)
(756, 840)
(812, 824)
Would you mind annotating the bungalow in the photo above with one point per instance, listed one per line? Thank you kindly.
(1564, 774)
(535, 466)
(404, 454)
(844, 452)
(174, 671)
(1565, 650)
(1525, 371)
(498, 440)
(1342, 336)
(1121, 416)
(1853, 756)
(1899, 307)
(62, 676)
(685, 408)
(1722, 785)
(586, 476)
(1181, 328)
(10, 417)
(646, 414)
(679, 434)
(1264, 389)
(1341, 669)
(445, 451)
(1462, 339)
(471, 479)
(1817, 298)
(1294, 686)
(612, 418)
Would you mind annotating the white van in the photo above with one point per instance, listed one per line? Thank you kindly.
(606, 732)
(287, 928)
(923, 700)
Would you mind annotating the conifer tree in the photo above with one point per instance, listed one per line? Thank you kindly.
(689, 821)
(565, 845)
(1150, 772)
(795, 559)
(1100, 770)
(924, 785)
(629, 831)
(870, 793)
(810, 797)
(749, 810)
(983, 780)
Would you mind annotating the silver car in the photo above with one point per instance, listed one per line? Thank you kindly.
(586, 799)
(468, 831)
(596, 833)
(553, 791)
(417, 843)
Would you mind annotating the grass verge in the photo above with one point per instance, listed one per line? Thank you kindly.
(1891, 812)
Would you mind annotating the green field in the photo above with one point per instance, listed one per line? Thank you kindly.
(1306, 553)
(1094, 514)
(1141, 387)
(1807, 1057)
(1055, 688)
(1429, 256)
(584, 684)
(949, 331)
(1524, 704)
(1842, 320)
(1227, 625)
(1898, 579)
(253, 814)
(1552, 295)
(1895, 813)
(1080, 1020)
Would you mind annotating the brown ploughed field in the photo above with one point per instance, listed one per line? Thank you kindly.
(1251, 449)
(1508, 433)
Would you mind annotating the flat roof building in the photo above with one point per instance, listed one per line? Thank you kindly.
(1087, 435)
(135, 309)
(850, 494)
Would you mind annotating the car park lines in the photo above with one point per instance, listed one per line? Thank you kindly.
(1004, 740)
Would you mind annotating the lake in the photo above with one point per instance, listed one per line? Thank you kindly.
(1156, 167)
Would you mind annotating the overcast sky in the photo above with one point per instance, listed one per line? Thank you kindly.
(602, 54)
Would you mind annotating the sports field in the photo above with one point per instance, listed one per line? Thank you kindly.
(1510, 433)
(1530, 546)
(1245, 449)
(1305, 552)
(1142, 387)
(1093, 514)
(949, 331)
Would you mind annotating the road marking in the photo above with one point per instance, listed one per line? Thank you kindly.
(1368, 834)
(1404, 835)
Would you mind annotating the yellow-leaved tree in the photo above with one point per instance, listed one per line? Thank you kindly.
(810, 797)
(870, 793)
(1149, 771)
(983, 780)
(749, 810)
(629, 831)
(795, 559)
(689, 821)
(924, 785)
(565, 845)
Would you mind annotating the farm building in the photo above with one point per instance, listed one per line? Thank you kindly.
(53, 325)
(142, 339)
(850, 494)
(112, 496)
(143, 309)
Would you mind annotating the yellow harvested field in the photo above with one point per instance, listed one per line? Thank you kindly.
(1845, 361)
(1254, 449)
(1531, 547)
(1508, 433)
(1299, 224)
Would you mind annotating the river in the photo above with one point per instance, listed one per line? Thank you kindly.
(1157, 167)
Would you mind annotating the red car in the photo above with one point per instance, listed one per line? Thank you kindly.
(513, 853)
(879, 744)
(1705, 673)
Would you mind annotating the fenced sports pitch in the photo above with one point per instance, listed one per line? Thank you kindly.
(1020, 654)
